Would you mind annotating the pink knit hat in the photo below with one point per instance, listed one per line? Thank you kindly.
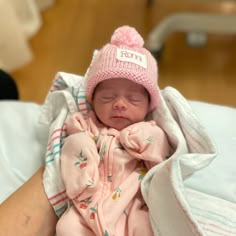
(124, 57)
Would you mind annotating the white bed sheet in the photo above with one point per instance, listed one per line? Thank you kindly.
(218, 179)
(23, 144)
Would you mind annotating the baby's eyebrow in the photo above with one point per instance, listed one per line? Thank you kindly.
(102, 87)
(137, 90)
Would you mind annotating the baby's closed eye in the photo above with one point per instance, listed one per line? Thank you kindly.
(135, 98)
(107, 98)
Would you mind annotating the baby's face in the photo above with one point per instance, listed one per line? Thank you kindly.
(119, 103)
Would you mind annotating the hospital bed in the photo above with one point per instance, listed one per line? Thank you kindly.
(195, 25)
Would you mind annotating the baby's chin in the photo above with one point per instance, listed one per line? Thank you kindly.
(119, 124)
(119, 127)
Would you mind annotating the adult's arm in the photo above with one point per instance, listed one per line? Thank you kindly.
(27, 212)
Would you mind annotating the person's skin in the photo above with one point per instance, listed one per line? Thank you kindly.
(27, 212)
(119, 103)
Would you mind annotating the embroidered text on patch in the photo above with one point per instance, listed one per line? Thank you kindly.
(131, 56)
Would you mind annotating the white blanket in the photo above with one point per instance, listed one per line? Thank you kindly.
(174, 209)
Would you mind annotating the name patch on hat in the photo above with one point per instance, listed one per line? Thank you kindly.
(131, 56)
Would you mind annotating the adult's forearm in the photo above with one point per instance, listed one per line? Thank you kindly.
(27, 212)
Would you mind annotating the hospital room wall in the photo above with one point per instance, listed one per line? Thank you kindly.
(72, 29)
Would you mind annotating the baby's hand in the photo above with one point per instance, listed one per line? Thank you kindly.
(146, 141)
(135, 138)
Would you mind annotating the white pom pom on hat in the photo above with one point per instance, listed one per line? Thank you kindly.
(124, 57)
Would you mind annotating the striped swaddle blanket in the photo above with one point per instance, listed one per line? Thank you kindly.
(175, 210)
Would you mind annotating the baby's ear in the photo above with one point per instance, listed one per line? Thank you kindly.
(95, 119)
(91, 103)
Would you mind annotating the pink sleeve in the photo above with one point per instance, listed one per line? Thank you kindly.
(146, 141)
(76, 123)
(79, 159)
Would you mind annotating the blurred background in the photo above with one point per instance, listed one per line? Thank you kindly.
(68, 31)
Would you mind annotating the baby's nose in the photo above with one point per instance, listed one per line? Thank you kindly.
(120, 103)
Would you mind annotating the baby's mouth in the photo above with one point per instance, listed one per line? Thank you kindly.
(118, 117)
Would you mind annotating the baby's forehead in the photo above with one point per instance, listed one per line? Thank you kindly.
(120, 84)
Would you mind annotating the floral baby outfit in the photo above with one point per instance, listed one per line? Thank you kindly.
(102, 169)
